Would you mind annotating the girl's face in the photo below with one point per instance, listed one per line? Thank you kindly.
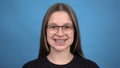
(60, 31)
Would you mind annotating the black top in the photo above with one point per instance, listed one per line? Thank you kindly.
(77, 62)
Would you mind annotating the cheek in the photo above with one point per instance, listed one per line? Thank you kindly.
(71, 36)
(49, 34)
(49, 37)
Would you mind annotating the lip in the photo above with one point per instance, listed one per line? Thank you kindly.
(59, 41)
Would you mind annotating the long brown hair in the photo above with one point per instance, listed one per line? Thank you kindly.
(76, 46)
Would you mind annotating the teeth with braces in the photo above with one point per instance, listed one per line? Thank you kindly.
(60, 41)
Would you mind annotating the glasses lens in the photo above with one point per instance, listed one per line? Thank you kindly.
(68, 29)
(52, 29)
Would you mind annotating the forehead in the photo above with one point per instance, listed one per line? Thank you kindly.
(60, 18)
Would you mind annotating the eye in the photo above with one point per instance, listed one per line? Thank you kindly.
(52, 27)
(67, 27)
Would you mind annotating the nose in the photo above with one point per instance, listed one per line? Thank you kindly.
(60, 32)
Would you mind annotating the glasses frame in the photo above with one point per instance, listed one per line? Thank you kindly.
(64, 27)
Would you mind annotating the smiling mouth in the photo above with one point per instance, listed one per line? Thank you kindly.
(60, 41)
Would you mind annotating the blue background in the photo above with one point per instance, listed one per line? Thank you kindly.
(20, 24)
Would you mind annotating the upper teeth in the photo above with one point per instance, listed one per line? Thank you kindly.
(60, 41)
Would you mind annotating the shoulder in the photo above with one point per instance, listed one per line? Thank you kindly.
(36, 63)
(86, 62)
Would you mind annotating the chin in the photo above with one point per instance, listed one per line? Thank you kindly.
(59, 49)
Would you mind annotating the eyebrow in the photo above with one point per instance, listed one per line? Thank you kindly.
(52, 24)
(63, 25)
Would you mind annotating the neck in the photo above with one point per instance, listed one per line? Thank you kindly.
(62, 57)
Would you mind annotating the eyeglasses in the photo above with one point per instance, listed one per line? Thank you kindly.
(67, 29)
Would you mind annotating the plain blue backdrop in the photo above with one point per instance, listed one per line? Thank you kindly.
(20, 25)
